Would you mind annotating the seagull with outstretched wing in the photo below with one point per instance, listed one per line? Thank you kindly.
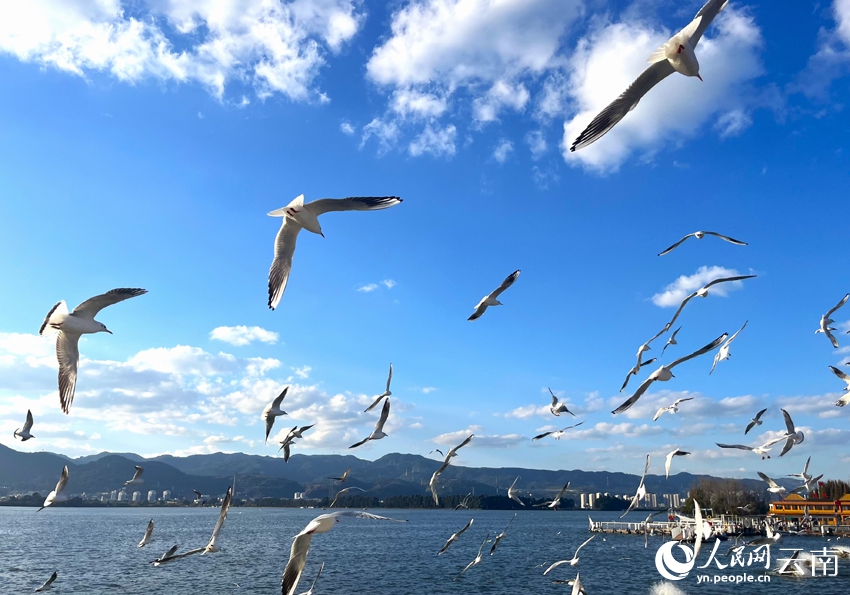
(492, 298)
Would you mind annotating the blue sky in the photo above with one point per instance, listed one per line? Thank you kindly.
(144, 145)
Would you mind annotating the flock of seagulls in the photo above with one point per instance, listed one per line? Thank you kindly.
(676, 55)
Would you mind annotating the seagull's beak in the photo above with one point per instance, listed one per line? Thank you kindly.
(699, 77)
(106, 330)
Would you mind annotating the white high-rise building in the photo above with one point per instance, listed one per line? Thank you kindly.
(166, 494)
(152, 496)
(137, 496)
(113, 495)
(122, 496)
(584, 501)
(591, 500)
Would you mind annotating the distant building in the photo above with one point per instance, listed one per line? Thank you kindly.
(122, 496)
(298, 496)
(591, 500)
(152, 496)
(598, 495)
(584, 501)
(113, 495)
(166, 494)
(653, 500)
(137, 496)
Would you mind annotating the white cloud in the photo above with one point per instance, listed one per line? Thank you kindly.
(275, 47)
(502, 94)
(832, 57)
(536, 143)
(386, 132)
(502, 150)
(733, 123)
(389, 283)
(243, 335)
(417, 104)
(368, 288)
(428, 389)
(303, 372)
(480, 440)
(347, 128)
(676, 291)
(607, 60)
(434, 140)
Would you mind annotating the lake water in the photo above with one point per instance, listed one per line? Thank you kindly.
(94, 550)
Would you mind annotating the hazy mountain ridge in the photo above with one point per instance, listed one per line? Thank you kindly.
(394, 474)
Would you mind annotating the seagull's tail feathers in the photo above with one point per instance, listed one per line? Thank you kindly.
(57, 314)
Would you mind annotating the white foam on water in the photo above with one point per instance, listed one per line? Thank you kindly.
(664, 588)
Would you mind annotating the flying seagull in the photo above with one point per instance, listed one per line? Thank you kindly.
(756, 421)
(804, 476)
(573, 561)
(700, 235)
(558, 432)
(56, 495)
(703, 292)
(48, 584)
(297, 215)
(674, 408)
(845, 399)
(769, 539)
(73, 325)
(671, 340)
(272, 410)
(386, 393)
(633, 372)
(501, 535)
(793, 436)
(166, 556)
(558, 407)
(677, 54)
(513, 495)
(464, 503)
(344, 477)
(137, 477)
(378, 432)
(723, 352)
(641, 490)
(286, 444)
(556, 501)
(825, 321)
(432, 485)
(301, 544)
(453, 451)
(455, 537)
(645, 347)
(24, 432)
(491, 300)
(664, 373)
(772, 486)
(343, 491)
(148, 535)
(759, 450)
(478, 558)
(669, 460)
(315, 580)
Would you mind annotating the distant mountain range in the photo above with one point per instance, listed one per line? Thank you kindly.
(264, 476)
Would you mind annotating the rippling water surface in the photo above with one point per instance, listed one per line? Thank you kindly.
(94, 550)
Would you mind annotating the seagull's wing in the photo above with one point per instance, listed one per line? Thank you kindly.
(464, 443)
(385, 413)
(465, 527)
(738, 446)
(63, 480)
(479, 310)
(353, 203)
(774, 441)
(197, 495)
(659, 413)
(284, 248)
(389, 379)
(711, 346)
(626, 381)
(68, 355)
(222, 516)
(582, 545)
(633, 399)
(90, 307)
(563, 490)
(668, 461)
(543, 435)
(749, 427)
(315, 580)
(682, 400)
(360, 514)
(789, 423)
(269, 424)
(767, 480)
(554, 398)
(571, 427)
(727, 238)
(276, 403)
(621, 106)
(509, 280)
(295, 566)
(138, 473)
(681, 307)
(706, 15)
(831, 338)
(732, 338)
(838, 305)
(28, 424)
(355, 445)
(840, 374)
(727, 280)
(755, 420)
(374, 403)
(48, 582)
(147, 535)
(553, 566)
(674, 246)
(806, 468)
